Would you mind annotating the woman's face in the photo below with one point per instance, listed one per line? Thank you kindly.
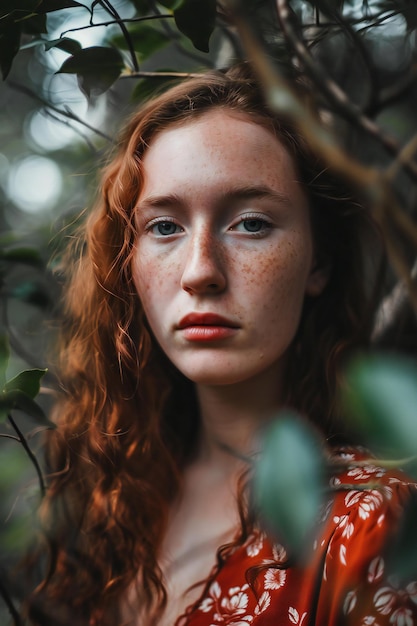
(224, 253)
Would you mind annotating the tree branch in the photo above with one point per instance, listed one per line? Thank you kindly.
(30, 454)
(391, 307)
(369, 180)
(66, 112)
(161, 75)
(10, 605)
(333, 92)
(126, 20)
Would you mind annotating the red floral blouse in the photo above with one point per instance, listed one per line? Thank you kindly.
(346, 582)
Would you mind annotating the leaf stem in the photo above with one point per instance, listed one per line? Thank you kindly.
(29, 452)
(127, 20)
(9, 603)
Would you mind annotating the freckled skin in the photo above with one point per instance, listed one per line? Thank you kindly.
(213, 262)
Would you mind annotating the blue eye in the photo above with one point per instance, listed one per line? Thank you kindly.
(253, 225)
(165, 228)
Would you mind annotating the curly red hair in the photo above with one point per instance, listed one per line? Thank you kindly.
(127, 419)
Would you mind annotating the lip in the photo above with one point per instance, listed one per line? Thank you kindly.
(206, 327)
(205, 319)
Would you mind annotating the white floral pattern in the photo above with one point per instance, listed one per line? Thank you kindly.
(355, 529)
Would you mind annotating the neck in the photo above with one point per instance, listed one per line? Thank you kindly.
(231, 416)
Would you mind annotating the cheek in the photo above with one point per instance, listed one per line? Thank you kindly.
(155, 280)
(278, 280)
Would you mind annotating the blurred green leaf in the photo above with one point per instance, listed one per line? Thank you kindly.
(34, 24)
(381, 398)
(20, 7)
(4, 358)
(146, 40)
(16, 399)
(147, 87)
(27, 381)
(288, 481)
(72, 46)
(171, 5)
(196, 19)
(30, 292)
(402, 554)
(28, 256)
(97, 68)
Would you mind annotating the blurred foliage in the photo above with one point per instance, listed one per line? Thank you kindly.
(289, 500)
(72, 69)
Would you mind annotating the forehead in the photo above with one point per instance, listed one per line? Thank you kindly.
(221, 148)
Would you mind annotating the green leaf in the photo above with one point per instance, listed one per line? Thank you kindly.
(97, 68)
(4, 358)
(16, 399)
(289, 481)
(30, 292)
(44, 6)
(171, 5)
(146, 40)
(47, 6)
(196, 19)
(25, 255)
(9, 45)
(72, 46)
(147, 87)
(34, 24)
(381, 398)
(27, 381)
(401, 559)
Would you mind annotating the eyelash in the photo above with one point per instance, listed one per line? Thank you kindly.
(162, 220)
(265, 225)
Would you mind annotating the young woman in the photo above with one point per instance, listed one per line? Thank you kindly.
(222, 279)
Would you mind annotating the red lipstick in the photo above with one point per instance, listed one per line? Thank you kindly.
(204, 327)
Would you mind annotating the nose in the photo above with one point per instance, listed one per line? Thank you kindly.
(204, 269)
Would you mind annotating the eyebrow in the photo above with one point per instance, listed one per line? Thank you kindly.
(239, 193)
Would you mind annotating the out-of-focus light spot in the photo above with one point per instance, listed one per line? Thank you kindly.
(34, 183)
(48, 133)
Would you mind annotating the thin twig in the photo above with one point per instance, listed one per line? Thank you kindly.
(74, 129)
(30, 454)
(126, 20)
(347, 28)
(395, 252)
(107, 6)
(9, 603)
(66, 112)
(391, 307)
(367, 179)
(333, 92)
(161, 75)
(6, 436)
(393, 93)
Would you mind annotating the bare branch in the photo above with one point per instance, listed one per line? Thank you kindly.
(391, 94)
(160, 75)
(369, 180)
(126, 20)
(9, 603)
(391, 307)
(333, 92)
(29, 453)
(66, 112)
